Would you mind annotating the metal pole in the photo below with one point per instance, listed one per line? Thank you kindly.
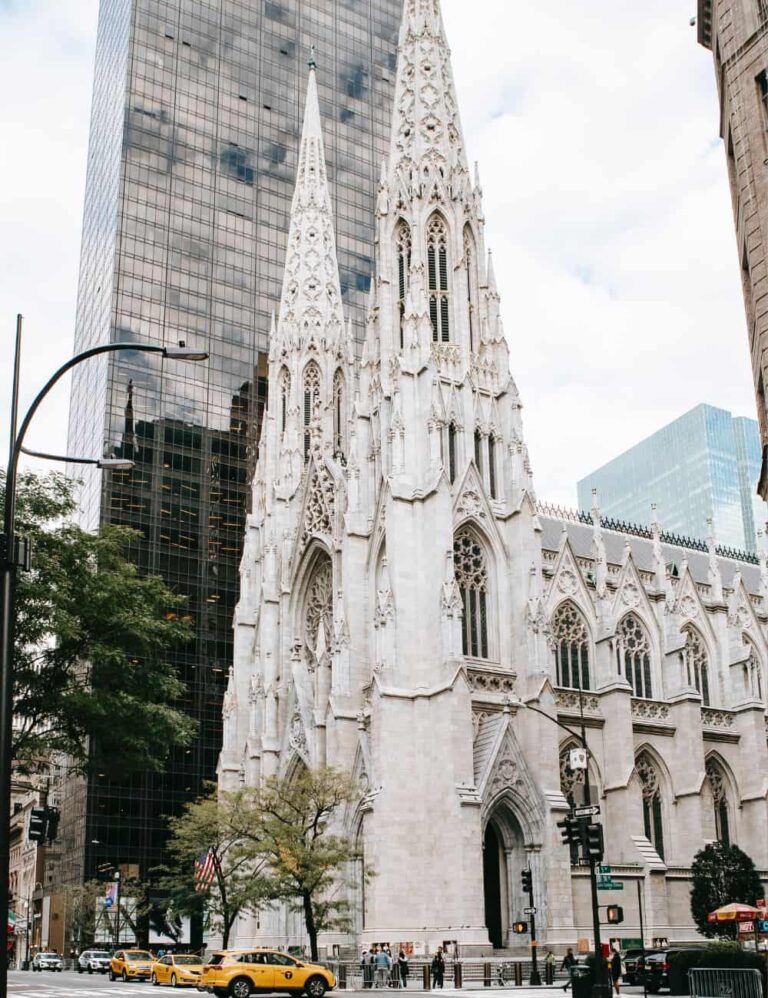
(7, 593)
(642, 937)
(535, 976)
(117, 911)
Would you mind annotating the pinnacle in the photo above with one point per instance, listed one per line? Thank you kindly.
(311, 297)
(426, 130)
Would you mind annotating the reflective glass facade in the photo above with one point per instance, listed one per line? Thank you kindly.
(705, 464)
(194, 137)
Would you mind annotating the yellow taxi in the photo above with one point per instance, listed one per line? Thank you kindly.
(177, 969)
(241, 973)
(130, 965)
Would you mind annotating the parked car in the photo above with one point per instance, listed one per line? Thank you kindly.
(241, 973)
(130, 965)
(47, 961)
(177, 969)
(93, 961)
(633, 963)
(655, 974)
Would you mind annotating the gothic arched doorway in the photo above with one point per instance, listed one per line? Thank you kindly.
(504, 858)
(492, 863)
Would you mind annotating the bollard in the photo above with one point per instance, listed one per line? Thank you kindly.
(518, 975)
(486, 975)
(457, 975)
(342, 975)
(425, 971)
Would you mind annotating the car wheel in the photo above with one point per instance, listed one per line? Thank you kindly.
(112, 975)
(90, 970)
(174, 984)
(153, 979)
(316, 987)
(79, 969)
(240, 988)
(124, 977)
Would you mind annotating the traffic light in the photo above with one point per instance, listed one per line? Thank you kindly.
(53, 823)
(569, 829)
(615, 914)
(519, 928)
(525, 876)
(592, 840)
(38, 821)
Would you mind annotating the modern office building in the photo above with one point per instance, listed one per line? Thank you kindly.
(704, 465)
(194, 135)
(736, 31)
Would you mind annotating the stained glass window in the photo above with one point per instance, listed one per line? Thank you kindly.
(471, 571)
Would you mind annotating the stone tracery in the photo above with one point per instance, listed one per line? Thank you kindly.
(471, 571)
(571, 641)
(633, 655)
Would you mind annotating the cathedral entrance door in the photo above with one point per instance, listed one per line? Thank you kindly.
(493, 869)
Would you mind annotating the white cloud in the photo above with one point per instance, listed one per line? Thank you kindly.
(606, 200)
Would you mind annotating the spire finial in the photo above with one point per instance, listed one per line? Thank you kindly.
(312, 58)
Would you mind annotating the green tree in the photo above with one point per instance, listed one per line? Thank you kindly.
(290, 825)
(91, 671)
(241, 882)
(720, 875)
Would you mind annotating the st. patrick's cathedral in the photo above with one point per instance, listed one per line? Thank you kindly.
(405, 599)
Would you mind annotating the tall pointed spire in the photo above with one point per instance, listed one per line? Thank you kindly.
(311, 299)
(427, 142)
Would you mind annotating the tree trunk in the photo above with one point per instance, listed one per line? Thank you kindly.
(309, 921)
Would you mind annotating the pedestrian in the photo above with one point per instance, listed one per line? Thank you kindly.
(549, 966)
(569, 960)
(366, 965)
(616, 971)
(438, 968)
(383, 964)
(402, 964)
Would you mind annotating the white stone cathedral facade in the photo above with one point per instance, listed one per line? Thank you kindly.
(405, 598)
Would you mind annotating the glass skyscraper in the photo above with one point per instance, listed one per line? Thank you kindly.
(192, 161)
(704, 465)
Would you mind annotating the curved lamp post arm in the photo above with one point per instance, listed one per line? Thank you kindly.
(537, 710)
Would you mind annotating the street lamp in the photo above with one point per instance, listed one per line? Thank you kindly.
(601, 988)
(14, 555)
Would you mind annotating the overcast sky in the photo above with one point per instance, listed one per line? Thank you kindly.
(606, 199)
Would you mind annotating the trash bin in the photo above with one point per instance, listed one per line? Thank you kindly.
(581, 980)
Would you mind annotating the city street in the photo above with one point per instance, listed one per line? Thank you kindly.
(72, 985)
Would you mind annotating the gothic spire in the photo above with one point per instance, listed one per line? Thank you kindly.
(311, 300)
(427, 143)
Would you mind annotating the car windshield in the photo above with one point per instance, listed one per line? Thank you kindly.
(137, 955)
(99, 955)
(216, 959)
(186, 958)
(49, 956)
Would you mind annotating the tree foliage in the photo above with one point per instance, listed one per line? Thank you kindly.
(91, 643)
(241, 882)
(290, 824)
(720, 875)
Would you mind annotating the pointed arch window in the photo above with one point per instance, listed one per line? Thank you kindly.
(452, 452)
(633, 655)
(437, 275)
(650, 789)
(492, 481)
(753, 673)
(479, 451)
(470, 266)
(318, 607)
(339, 415)
(471, 570)
(403, 254)
(718, 789)
(285, 393)
(311, 398)
(571, 637)
(696, 663)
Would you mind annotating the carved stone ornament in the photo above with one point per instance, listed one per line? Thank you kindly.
(256, 690)
(450, 600)
(470, 504)
(298, 736)
(319, 512)
(567, 582)
(505, 776)
(568, 701)
(689, 606)
(650, 710)
(385, 607)
(740, 616)
(630, 595)
(716, 718)
(483, 681)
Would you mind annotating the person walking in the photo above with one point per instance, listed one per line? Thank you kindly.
(616, 971)
(383, 964)
(366, 965)
(438, 968)
(402, 966)
(569, 961)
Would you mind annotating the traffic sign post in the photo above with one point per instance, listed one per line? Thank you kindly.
(586, 812)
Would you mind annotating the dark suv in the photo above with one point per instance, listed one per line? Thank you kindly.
(633, 964)
(655, 974)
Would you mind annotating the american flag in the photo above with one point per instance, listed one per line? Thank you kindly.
(205, 871)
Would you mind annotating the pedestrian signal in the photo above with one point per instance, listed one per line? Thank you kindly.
(615, 914)
(519, 927)
(37, 824)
